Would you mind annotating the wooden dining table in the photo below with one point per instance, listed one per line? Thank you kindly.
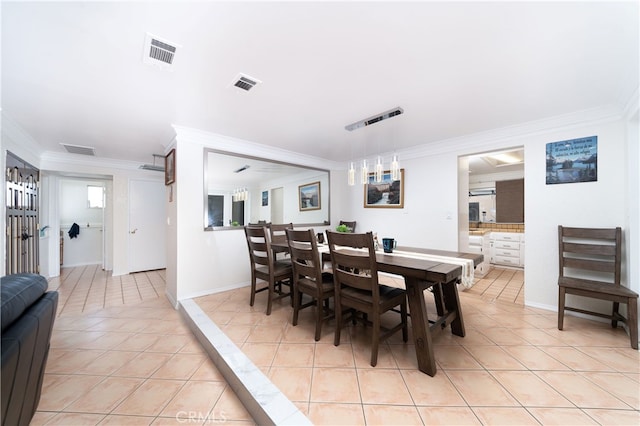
(422, 274)
(442, 278)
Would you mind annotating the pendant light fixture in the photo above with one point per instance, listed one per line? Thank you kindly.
(351, 176)
(364, 172)
(379, 169)
(395, 167)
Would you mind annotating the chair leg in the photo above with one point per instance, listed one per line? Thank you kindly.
(336, 338)
(296, 305)
(253, 291)
(403, 316)
(319, 315)
(270, 297)
(614, 314)
(375, 340)
(561, 297)
(632, 322)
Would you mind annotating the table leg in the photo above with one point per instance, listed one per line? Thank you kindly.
(420, 326)
(452, 303)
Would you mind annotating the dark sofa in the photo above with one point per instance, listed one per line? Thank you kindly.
(28, 313)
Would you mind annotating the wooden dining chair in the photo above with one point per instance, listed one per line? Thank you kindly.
(590, 264)
(265, 267)
(355, 276)
(278, 232)
(308, 277)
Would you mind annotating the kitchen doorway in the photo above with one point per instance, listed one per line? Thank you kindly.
(490, 196)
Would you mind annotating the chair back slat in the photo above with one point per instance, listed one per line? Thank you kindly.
(592, 249)
(590, 265)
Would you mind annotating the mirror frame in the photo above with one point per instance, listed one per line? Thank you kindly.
(205, 201)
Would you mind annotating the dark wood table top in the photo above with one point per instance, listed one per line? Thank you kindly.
(423, 269)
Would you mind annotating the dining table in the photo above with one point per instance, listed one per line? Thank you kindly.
(421, 272)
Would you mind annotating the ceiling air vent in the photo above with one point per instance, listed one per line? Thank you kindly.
(242, 169)
(77, 149)
(158, 51)
(245, 82)
(375, 119)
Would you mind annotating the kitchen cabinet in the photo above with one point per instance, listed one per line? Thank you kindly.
(507, 248)
(480, 244)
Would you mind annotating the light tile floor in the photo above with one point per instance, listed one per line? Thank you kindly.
(129, 359)
(121, 355)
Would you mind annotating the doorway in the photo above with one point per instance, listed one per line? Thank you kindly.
(491, 181)
(277, 215)
(22, 192)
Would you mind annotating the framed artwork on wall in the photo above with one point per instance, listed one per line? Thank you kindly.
(388, 193)
(265, 198)
(309, 196)
(572, 161)
(170, 167)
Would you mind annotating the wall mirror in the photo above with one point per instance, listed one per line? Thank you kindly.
(241, 190)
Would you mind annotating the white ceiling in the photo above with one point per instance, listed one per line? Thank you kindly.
(72, 72)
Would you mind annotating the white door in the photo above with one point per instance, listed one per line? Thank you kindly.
(147, 229)
(277, 215)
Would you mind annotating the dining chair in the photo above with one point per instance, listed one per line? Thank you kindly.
(308, 277)
(590, 266)
(350, 225)
(265, 267)
(355, 276)
(278, 231)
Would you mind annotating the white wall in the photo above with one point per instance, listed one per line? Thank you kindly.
(212, 261)
(209, 261)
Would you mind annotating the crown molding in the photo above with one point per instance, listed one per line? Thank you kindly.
(244, 147)
(506, 136)
(12, 132)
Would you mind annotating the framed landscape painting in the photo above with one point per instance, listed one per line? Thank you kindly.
(309, 196)
(386, 194)
(572, 161)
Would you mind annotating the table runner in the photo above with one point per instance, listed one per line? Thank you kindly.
(467, 264)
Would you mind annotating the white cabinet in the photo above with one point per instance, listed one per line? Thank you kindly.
(506, 249)
(480, 244)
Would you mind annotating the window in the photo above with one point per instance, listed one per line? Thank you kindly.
(95, 196)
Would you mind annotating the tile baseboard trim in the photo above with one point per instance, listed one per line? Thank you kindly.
(262, 399)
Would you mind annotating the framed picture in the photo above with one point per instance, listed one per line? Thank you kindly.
(265, 198)
(386, 194)
(309, 196)
(572, 161)
(170, 167)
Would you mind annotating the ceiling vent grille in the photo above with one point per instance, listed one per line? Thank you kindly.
(245, 82)
(77, 149)
(158, 51)
(375, 119)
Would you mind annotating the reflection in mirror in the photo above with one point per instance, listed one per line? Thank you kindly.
(239, 190)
